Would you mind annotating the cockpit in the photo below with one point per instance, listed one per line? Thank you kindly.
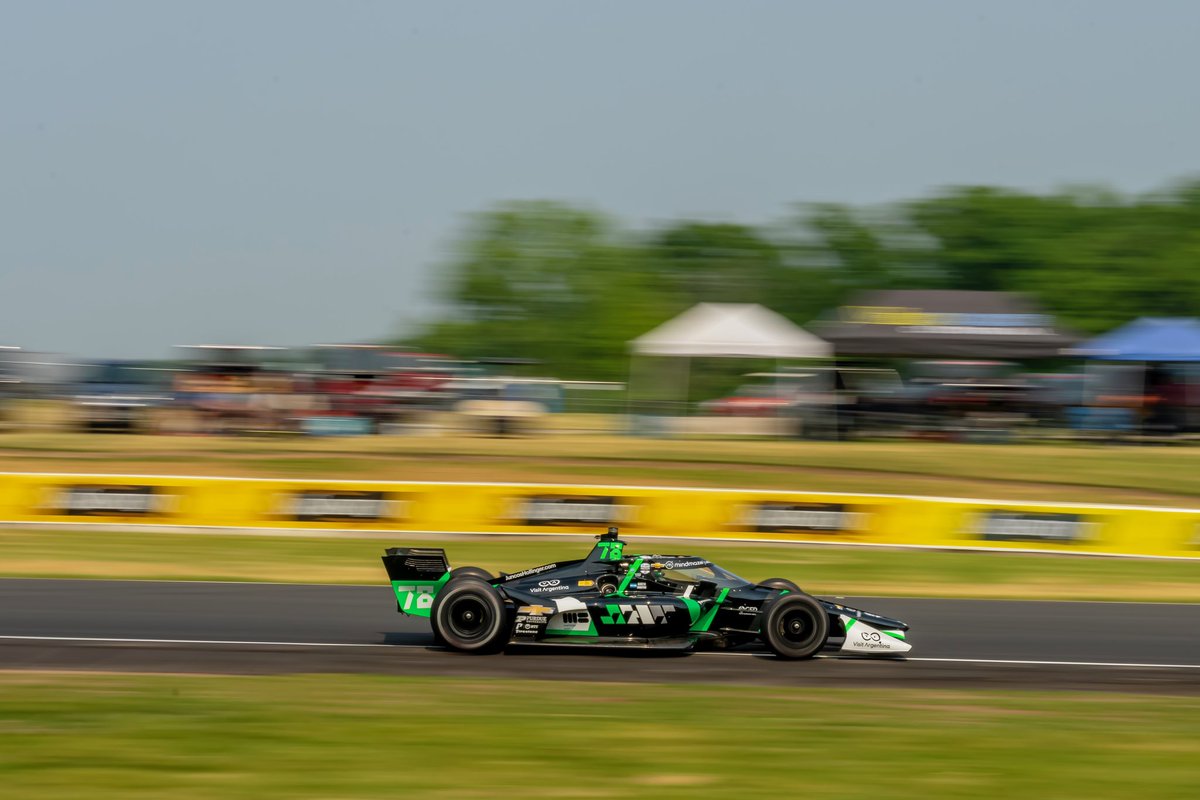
(681, 572)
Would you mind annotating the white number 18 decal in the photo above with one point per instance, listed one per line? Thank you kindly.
(423, 594)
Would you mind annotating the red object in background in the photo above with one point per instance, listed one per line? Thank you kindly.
(749, 401)
(374, 382)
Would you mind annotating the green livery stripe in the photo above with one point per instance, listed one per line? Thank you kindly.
(693, 608)
(591, 631)
(894, 634)
(629, 576)
(707, 620)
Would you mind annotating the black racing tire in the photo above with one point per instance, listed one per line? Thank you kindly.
(780, 583)
(462, 572)
(796, 626)
(470, 616)
(608, 584)
(472, 572)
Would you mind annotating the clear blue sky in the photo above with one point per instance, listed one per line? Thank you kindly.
(293, 172)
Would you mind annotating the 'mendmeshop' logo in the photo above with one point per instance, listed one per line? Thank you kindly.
(779, 516)
(571, 510)
(111, 500)
(340, 506)
(1029, 526)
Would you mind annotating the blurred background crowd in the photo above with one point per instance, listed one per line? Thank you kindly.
(979, 314)
(934, 364)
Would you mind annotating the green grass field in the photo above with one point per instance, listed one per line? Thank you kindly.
(1067, 472)
(103, 553)
(139, 736)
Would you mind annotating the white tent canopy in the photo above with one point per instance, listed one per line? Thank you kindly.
(730, 330)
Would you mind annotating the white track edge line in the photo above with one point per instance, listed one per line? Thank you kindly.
(198, 641)
(1054, 663)
(1028, 662)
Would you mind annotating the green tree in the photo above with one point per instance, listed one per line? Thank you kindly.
(563, 285)
(550, 282)
(703, 262)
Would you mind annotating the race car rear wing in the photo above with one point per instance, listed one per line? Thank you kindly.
(417, 575)
(415, 563)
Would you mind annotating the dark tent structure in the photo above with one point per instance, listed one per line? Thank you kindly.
(1150, 339)
(1164, 353)
(930, 323)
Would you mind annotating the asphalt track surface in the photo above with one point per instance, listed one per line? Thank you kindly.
(246, 628)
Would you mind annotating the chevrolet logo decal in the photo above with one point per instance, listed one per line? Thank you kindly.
(537, 610)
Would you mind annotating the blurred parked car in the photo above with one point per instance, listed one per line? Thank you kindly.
(1052, 398)
(833, 402)
(368, 386)
(118, 395)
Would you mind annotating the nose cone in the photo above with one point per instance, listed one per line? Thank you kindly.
(862, 637)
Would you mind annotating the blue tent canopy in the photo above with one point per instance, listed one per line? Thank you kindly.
(1161, 339)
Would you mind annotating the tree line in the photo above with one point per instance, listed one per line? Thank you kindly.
(569, 287)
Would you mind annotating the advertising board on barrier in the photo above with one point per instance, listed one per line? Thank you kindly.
(93, 500)
(788, 516)
(890, 520)
(1006, 525)
(82, 499)
(573, 510)
(315, 505)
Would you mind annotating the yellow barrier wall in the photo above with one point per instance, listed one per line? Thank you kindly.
(530, 508)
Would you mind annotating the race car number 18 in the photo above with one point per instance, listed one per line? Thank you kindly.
(423, 594)
(610, 551)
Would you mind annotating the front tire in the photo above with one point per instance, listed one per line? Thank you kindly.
(796, 626)
(780, 583)
(470, 616)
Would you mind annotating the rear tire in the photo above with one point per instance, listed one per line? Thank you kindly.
(796, 626)
(780, 583)
(469, 615)
(471, 572)
(461, 572)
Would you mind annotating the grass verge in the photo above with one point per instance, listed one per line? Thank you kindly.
(136, 736)
(103, 553)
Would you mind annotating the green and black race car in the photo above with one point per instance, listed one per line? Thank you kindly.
(611, 598)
